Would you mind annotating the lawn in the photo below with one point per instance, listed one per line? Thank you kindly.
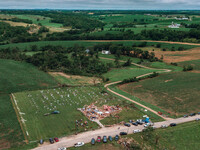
(16, 77)
(170, 92)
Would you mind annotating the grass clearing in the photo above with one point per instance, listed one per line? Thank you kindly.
(169, 92)
(74, 79)
(194, 63)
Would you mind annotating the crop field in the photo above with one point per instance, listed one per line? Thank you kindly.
(179, 56)
(170, 92)
(182, 137)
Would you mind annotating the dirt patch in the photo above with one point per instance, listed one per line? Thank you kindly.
(179, 56)
(79, 79)
(195, 71)
(169, 80)
(4, 144)
(44, 84)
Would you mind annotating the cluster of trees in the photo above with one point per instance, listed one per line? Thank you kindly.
(188, 68)
(134, 79)
(15, 34)
(21, 20)
(55, 58)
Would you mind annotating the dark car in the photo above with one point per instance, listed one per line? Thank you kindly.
(198, 113)
(51, 140)
(185, 116)
(192, 114)
(116, 137)
(99, 139)
(135, 123)
(41, 141)
(56, 139)
(105, 139)
(110, 138)
(123, 133)
(93, 141)
(127, 124)
(172, 124)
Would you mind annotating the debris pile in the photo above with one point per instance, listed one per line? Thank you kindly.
(92, 112)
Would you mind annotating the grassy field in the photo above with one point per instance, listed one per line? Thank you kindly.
(182, 137)
(15, 77)
(194, 63)
(75, 79)
(170, 92)
(65, 100)
(120, 74)
(23, 46)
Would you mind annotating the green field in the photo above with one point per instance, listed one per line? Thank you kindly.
(45, 21)
(120, 74)
(170, 92)
(194, 63)
(65, 100)
(182, 137)
(23, 46)
(16, 77)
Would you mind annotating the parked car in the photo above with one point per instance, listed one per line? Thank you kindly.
(198, 113)
(192, 114)
(185, 116)
(62, 148)
(99, 139)
(197, 119)
(123, 133)
(127, 124)
(56, 139)
(79, 144)
(51, 140)
(116, 137)
(135, 123)
(140, 122)
(172, 124)
(130, 121)
(164, 126)
(41, 141)
(93, 141)
(110, 138)
(105, 139)
(136, 131)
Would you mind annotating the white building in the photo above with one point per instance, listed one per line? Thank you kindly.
(174, 25)
(105, 52)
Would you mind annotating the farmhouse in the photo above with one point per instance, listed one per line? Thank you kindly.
(105, 52)
(174, 25)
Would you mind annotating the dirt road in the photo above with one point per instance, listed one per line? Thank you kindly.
(145, 107)
(108, 131)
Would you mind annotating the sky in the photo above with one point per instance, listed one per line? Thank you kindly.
(101, 4)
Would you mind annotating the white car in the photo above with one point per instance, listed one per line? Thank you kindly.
(62, 148)
(136, 131)
(79, 144)
(197, 119)
(164, 126)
